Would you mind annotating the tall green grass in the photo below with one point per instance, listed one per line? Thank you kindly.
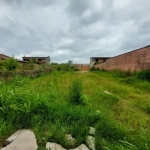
(47, 105)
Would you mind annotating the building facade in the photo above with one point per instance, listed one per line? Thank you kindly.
(39, 60)
(97, 60)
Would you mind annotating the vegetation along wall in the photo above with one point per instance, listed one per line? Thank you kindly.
(134, 61)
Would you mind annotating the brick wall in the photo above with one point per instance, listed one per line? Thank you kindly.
(134, 61)
(85, 67)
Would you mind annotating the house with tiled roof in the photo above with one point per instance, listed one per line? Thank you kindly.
(5, 57)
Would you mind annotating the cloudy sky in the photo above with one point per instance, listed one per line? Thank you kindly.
(73, 29)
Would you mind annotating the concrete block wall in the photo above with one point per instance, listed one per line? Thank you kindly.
(134, 61)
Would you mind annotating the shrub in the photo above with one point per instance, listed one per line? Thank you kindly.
(93, 68)
(75, 92)
(29, 66)
(144, 75)
(11, 64)
(74, 68)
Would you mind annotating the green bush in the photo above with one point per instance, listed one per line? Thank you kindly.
(29, 66)
(93, 68)
(143, 75)
(74, 68)
(11, 64)
(75, 93)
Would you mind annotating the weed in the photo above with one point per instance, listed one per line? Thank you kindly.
(11, 64)
(75, 92)
(122, 74)
(143, 75)
(110, 130)
(94, 69)
(128, 145)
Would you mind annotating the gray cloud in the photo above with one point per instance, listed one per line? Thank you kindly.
(73, 29)
(28, 4)
(76, 8)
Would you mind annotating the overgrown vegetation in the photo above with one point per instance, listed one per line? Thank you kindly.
(66, 67)
(30, 65)
(2, 66)
(119, 110)
(144, 75)
(75, 92)
(11, 64)
(94, 69)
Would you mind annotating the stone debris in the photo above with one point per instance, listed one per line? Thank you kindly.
(81, 147)
(13, 137)
(90, 141)
(54, 146)
(70, 140)
(25, 140)
(92, 131)
(21, 140)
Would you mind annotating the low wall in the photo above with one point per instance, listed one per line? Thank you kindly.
(85, 67)
(134, 61)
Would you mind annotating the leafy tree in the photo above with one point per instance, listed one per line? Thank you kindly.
(11, 64)
(69, 62)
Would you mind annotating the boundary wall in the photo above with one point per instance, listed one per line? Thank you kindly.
(134, 61)
(85, 67)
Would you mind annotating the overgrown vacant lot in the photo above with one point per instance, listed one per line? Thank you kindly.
(118, 107)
